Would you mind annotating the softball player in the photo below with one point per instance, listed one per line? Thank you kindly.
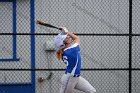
(70, 54)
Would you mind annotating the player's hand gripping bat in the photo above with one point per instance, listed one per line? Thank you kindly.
(47, 24)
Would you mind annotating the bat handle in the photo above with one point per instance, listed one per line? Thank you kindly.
(60, 28)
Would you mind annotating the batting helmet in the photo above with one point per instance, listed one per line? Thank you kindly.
(59, 40)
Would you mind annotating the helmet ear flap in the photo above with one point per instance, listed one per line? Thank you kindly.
(62, 45)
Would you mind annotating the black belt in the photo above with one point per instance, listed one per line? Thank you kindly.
(76, 75)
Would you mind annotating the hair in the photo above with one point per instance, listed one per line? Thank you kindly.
(59, 53)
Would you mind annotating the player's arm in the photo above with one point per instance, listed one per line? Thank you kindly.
(73, 36)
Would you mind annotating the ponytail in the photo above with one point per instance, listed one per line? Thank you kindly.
(59, 53)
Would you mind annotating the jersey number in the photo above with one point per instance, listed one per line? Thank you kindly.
(65, 60)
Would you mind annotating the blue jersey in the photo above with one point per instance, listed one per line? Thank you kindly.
(71, 57)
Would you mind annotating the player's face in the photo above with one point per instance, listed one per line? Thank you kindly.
(67, 40)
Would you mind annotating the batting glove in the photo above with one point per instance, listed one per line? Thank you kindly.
(64, 29)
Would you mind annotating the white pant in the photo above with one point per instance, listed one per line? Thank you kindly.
(69, 83)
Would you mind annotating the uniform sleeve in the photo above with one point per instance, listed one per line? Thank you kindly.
(76, 47)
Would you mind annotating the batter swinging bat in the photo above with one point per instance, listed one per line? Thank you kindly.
(47, 25)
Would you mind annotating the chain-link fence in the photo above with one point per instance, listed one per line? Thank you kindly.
(110, 47)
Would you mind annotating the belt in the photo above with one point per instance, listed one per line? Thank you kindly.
(76, 75)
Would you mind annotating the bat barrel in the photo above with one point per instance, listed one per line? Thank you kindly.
(47, 25)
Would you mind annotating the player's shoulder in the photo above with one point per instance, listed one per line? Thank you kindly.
(72, 46)
(75, 44)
